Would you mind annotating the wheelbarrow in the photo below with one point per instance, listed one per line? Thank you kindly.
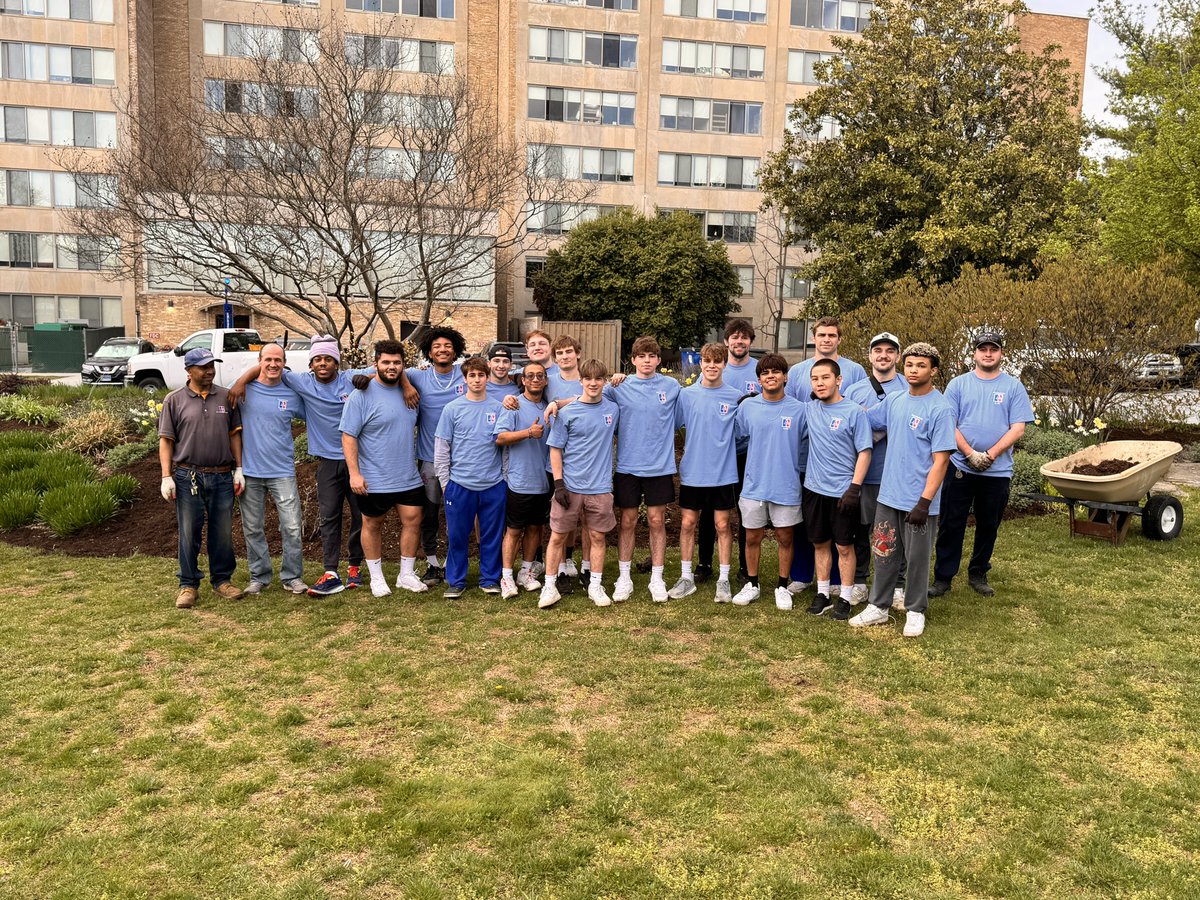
(1112, 501)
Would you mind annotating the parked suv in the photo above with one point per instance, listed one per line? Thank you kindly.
(110, 362)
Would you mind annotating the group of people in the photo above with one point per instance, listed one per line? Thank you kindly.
(844, 463)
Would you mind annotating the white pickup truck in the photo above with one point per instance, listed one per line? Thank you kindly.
(237, 348)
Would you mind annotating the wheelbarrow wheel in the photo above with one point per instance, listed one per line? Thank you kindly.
(1162, 519)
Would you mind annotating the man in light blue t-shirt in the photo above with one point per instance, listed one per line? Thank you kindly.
(990, 410)
(269, 463)
(469, 467)
(500, 383)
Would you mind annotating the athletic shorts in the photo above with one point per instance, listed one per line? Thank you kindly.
(376, 505)
(628, 490)
(596, 511)
(723, 496)
(761, 513)
(825, 522)
(527, 510)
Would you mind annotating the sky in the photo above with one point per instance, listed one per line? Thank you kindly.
(1102, 50)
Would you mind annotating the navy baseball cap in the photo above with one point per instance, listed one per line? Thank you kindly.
(989, 337)
(198, 357)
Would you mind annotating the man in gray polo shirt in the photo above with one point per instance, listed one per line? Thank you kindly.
(200, 452)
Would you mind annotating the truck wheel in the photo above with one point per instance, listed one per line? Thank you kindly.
(1162, 519)
(151, 385)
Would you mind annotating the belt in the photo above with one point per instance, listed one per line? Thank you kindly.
(208, 470)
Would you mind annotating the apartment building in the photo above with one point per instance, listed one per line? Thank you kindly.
(660, 104)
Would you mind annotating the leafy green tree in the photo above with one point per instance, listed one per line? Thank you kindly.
(659, 276)
(955, 149)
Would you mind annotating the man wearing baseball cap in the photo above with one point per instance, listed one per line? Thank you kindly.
(990, 410)
(500, 383)
(200, 452)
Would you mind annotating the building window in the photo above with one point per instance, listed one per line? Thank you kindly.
(580, 163)
(64, 127)
(721, 60)
(260, 41)
(55, 62)
(745, 276)
(615, 5)
(583, 48)
(557, 104)
(793, 334)
(425, 9)
(80, 10)
(795, 287)
(533, 268)
(802, 65)
(692, 170)
(726, 10)
(716, 116)
(827, 129)
(30, 309)
(400, 54)
(256, 99)
(26, 250)
(560, 218)
(832, 15)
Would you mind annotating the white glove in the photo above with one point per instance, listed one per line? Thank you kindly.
(980, 461)
(167, 488)
(239, 480)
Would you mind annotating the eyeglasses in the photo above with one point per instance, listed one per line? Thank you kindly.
(536, 376)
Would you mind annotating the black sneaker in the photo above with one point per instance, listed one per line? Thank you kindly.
(702, 573)
(743, 576)
(980, 585)
(453, 593)
(566, 584)
(939, 588)
(434, 575)
(820, 605)
(841, 610)
(585, 578)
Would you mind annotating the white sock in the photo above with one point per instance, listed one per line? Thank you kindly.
(595, 578)
(375, 567)
(823, 588)
(328, 572)
(506, 573)
(433, 561)
(686, 569)
(848, 592)
(656, 573)
(625, 566)
(724, 573)
(408, 565)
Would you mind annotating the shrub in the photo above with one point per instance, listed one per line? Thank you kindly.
(123, 455)
(11, 382)
(1027, 478)
(302, 455)
(91, 430)
(19, 458)
(18, 508)
(1191, 452)
(20, 439)
(20, 408)
(122, 487)
(1049, 442)
(67, 510)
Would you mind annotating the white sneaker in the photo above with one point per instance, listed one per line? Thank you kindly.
(411, 582)
(872, 615)
(658, 591)
(859, 594)
(550, 595)
(747, 595)
(568, 568)
(598, 595)
(684, 587)
(723, 594)
(898, 598)
(914, 624)
(797, 587)
(538, 569)
(783, 598)
(380, 588)
(508, 587)
(623, 589)
(527, 581)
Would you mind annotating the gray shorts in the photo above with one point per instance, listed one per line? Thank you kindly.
(760, 513)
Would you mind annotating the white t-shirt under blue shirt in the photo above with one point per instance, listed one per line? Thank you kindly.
(584, 432)
(646, 438)
(917, 428)
(863, 393)
(469, 427)
(267, 446)
(985, 408)
(744, 377)
(774, 429)
(837, 433)
(526, 461)
(709, 450)
(436, 391)
(323, 402)
(384, 427)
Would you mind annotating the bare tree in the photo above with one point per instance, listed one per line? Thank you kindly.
(345, 180)
(777, 252)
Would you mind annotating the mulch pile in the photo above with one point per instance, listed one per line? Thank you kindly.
(1104, 467)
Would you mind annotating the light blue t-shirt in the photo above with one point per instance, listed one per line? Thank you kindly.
(500, 391)
(985, 408)
(774, 429)
(323, 403)
(267, 446)
(476, 463)
(799, 385)
(584, 432)
(646, 438)
(384, 427)
(709, 452)
(436, 391)
(558, 388)
(527, 461)
(863, 393)
(743, 377)
(917, 428)
(837, 433)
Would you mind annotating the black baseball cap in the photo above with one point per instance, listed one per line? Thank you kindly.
(500, 353)
(989, 337)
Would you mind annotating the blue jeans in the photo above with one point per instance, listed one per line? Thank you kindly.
(213, 502)
(286, 496)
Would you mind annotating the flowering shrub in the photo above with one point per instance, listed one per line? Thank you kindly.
(146, 417)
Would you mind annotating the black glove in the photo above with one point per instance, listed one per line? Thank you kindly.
(849, 501)
(561, 495)
(919, 514)
(361, 381)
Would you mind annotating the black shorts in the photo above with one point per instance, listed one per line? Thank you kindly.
(628, 490)
(824, 522)
(376, 505)
(527, 510)
(723, 496)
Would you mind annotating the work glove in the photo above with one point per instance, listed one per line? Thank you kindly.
(979, 461)
(849, 501)
(561, 496)
(919, 514)
(360, 381)
(167, 488)
(239, 481)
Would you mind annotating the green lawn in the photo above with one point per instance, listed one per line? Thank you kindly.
(1041, 744)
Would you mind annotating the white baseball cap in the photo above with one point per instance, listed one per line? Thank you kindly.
(882, 337)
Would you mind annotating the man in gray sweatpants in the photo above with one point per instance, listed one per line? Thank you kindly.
(920, 433)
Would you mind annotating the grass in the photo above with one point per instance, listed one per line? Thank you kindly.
(1041, 744)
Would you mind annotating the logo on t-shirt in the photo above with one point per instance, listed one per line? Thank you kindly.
(345, 397)
(283, 404)
(491, 418)
(608, 419)
(913, 422)
(662, 396)
(751, 387)
(220, 409)
(459, 388)
(724, 409)
(835, 424)
(997, 397)
(786, 421)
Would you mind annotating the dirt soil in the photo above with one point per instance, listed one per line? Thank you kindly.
(1104, 467)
